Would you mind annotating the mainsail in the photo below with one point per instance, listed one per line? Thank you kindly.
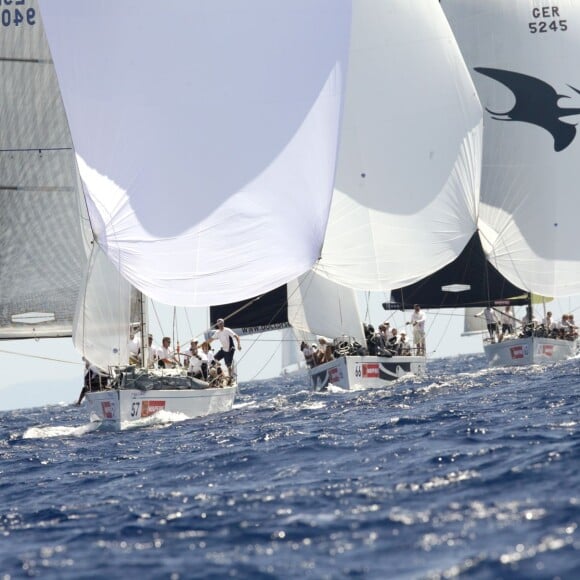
(523, 59)
(207, 134)
(42, 247)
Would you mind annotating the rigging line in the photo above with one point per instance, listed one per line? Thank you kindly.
(267, 362)
(240, 309)
(34, 149)
(443, 335)
(68, 362)
(28, 60)
(157, 317)
(188, 321)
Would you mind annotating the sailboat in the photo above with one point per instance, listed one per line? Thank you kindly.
(173, 170)
(407, 186)
(522, 59)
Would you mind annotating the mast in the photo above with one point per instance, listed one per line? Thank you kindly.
(144, 329)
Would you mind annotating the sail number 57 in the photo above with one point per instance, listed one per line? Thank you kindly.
(14, 16)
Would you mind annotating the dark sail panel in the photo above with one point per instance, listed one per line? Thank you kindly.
(471, 269)
(266, 312)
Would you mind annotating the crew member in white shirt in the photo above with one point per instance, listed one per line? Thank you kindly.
(226, 336)
(491, 320)
(418, 320)
(165, 354)
(197, 362)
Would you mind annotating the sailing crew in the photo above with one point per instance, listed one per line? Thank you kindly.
(530, 321)
(226, 336)
(186, 354)
(418, 320)
(308, 353)
(165, 354)
(95, 379)
(507, 321)
(404, 348)
(491, 320)
(197, 362)
(369, 330)
(393, 343)
(207, 352)
(324, 352)
(548, 322)
(134, 347)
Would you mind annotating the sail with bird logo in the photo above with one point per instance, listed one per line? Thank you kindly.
(521, 56)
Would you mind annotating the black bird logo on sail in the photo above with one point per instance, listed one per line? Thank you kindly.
(536, 103)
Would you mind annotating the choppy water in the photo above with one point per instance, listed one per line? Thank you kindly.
(470, 472)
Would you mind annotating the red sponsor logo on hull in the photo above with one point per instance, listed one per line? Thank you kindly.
(370, 370)
(334, 375)
(107, 409)
(517, 352)
(148, 408)
(548, 349)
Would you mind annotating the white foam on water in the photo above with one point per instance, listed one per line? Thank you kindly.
(160, 418)
(60, 431)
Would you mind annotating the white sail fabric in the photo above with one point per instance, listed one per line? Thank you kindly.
(523, 57)
(408, 176)
(209, 132)
(292, 358)
(473, 324)
(42, 251)
(318, 306)
(103, 318)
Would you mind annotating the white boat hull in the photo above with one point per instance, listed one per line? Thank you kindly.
(348, 372)
(116, 407)
(529, 350)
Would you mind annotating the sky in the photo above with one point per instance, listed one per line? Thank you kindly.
(36, 373)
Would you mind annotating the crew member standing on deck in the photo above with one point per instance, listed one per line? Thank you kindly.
(418, 320)
(226, 336)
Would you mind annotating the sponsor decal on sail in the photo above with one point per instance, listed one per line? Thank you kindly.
(148, 408)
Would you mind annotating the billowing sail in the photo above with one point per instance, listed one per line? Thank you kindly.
(523, 59)
(42, 250)
(207, 134)
(407, 185)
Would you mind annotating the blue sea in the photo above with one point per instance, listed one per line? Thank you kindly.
(469, 472)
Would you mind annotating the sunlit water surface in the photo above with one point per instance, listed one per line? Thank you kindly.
(468, 472)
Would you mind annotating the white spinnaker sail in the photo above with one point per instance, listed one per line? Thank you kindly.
(523, 57)
(318, 306)
(208, 131)
(408, 176)
(42, 249)
(103, 317)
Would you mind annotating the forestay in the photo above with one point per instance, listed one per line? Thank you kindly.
(207, 134)
(408, 175)
(42, 250)
(523, 58)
